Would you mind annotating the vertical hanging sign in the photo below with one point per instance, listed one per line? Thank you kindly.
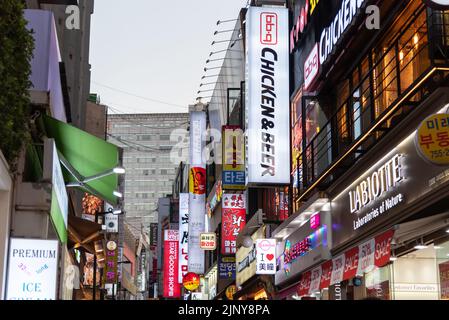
(233, 221)
(183, 234)
(233, 142)
(172, 288)
(267, 96)
(197, 191)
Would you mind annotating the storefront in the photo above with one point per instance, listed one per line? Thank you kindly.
(250, 285)
(390, 217)
(303, 243)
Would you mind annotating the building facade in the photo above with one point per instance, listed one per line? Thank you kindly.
(151, 157)
(368, 211)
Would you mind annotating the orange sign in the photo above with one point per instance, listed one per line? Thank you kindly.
(432, 139)
(191, 281)
(230, 291)
(197, 180)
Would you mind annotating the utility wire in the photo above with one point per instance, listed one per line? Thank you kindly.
(138, 96)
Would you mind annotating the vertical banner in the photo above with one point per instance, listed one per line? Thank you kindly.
(197, 191)
(233, 220)
(233, 143)
(172, 288)
(110, 263)
(267, 96)
(266, 256)
(183, 234)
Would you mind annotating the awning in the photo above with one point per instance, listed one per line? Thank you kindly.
(83, 233)
(87, 161)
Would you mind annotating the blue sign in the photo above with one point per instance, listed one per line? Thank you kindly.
(233, 179)
(226, 268)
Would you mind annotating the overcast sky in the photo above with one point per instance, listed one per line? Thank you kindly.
(155, 49)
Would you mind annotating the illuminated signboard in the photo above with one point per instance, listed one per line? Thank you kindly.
(432, 139)
(233, 158)
(267, 96)
(293, 251)
(340, 24)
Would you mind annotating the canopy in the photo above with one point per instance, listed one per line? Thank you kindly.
(87, 161)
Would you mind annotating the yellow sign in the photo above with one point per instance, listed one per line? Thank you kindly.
(313, 4)
(432, 139)
(233, 142)
(230, 291)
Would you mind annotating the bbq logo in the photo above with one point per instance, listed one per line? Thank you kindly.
(268, 28)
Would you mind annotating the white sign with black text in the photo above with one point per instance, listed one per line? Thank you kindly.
(267, 96)
(266, 256)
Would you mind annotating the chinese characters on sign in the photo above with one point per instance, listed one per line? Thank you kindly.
(208, 241)
(266, 256)
(233, 221)
(432, 139)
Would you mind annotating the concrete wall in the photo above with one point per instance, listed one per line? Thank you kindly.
(5, 215)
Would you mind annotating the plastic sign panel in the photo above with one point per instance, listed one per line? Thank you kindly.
(208, 241)
(172, 288)
(233, 221)
(432, 139)
(233, 175)
(267, 96)
(183, 235)
(197, 191)
(266, 256)
(32, 270)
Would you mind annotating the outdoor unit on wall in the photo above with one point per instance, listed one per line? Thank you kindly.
(270, 2)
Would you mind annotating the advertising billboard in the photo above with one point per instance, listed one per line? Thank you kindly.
(267, 96)
(197, 191)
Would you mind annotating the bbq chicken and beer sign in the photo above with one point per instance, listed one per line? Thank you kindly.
(267, 96)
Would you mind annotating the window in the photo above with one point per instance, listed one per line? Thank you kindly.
(164, 137)
(164, 172)
(145, 172)
(144, 137)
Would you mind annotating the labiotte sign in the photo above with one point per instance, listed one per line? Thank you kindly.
(399, 179)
